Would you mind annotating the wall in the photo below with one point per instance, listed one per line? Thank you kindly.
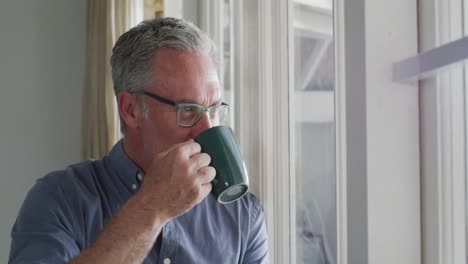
(392, 135)
(42, 63)
(382, 126)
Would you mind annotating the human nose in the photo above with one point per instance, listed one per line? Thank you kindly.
(203, 124)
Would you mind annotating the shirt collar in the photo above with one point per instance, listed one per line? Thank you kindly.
(126, 169)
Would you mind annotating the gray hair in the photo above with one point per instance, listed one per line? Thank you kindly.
(133, 53)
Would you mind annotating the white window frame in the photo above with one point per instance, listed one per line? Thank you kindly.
(277, 156)
(341, 134)
(377, 134)
(377, 149)
(443, 138)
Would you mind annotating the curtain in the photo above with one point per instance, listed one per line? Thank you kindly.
(107, 20)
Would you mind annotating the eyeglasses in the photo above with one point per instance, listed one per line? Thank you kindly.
(188, 114)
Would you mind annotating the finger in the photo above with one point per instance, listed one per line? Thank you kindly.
(206, 175)
(186, 149)
(200, 160)
(192, 148)
(178, 145)
(172, 147)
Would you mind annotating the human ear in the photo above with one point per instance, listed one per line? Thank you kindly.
(129, 109)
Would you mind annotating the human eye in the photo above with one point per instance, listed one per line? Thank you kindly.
(188, 111)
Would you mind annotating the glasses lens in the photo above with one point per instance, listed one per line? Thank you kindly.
(188, 114)
(219, 114)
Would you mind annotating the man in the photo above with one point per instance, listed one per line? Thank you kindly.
(149, 200)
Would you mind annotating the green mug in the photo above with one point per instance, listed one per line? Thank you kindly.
(232, 180)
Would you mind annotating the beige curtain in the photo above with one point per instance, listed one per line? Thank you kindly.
(107, 20)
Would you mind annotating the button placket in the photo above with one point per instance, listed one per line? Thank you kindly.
(169, 243)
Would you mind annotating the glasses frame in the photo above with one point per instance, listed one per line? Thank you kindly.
(179, 106)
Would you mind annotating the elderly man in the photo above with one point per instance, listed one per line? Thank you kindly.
(148, 200)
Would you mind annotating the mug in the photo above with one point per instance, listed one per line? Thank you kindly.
(232, 180)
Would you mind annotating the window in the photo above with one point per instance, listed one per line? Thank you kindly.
(313, 140)
(284, 93)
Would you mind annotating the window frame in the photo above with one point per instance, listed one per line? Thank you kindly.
(443, 138)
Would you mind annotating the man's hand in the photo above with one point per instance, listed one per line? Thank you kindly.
(177, 180)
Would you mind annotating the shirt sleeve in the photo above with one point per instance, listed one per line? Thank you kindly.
(257, 244)
(42, 232)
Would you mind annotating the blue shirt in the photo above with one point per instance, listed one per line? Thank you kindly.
(65, 211)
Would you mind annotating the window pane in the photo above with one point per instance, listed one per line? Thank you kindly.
(227, 50)
(314, 126)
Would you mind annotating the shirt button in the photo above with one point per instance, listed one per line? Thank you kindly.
(140, 176)
(134, 186)
(167, 261)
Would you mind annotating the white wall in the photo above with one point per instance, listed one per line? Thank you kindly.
(392, 135)
(42, 63)
(382, 126)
